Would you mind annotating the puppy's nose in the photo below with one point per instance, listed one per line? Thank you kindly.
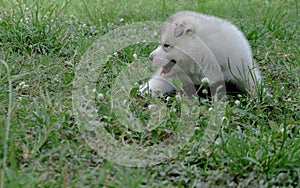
(151, 57)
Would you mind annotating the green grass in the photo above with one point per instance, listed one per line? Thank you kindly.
(42, 43)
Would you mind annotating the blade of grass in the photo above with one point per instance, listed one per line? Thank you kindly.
(7, 124)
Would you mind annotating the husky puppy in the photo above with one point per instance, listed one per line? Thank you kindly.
(196, 47)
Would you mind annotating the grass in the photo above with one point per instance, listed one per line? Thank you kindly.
(42, 43)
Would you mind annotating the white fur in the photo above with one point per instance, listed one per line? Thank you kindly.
(202, 46)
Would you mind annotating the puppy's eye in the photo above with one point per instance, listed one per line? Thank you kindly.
(166, 45)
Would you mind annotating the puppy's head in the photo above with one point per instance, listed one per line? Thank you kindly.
(176, 41)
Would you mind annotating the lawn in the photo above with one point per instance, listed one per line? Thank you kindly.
(50, 137)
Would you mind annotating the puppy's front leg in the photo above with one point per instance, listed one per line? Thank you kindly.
(158, 85)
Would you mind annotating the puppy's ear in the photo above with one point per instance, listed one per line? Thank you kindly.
(189, 29)
(183, 28)
(178, 31)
